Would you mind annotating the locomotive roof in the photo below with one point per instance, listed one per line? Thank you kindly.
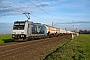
(19, 21)
(23, 21)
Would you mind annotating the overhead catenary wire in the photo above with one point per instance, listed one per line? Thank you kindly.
(41, 9)
(24, 9)
(48, 11)
(28, 12)
(10, 6)
(16, 7)
(50, 14)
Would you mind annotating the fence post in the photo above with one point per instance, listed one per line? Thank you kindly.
(72, 36)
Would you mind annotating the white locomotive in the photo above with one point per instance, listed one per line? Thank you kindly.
(25, 29)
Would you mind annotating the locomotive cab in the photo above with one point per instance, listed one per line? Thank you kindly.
(21, 30)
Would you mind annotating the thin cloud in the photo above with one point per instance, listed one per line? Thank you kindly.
(63, 1)
(43, 4)
(10, 8)
(40, 4)
(76, 22)
(5, 24)
(82, 22)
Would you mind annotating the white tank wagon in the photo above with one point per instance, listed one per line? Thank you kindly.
(62, 31)
(50, 29)
(58, 30)
(68, 32)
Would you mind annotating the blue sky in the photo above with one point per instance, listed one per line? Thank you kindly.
(61, 12)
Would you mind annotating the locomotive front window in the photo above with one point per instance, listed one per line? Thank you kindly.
(18, 26)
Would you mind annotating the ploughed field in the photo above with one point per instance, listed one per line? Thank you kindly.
(30, 50)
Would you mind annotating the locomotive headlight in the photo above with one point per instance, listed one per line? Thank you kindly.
(22, 35)
(13, 35)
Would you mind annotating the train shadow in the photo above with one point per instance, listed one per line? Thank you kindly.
(8, 40)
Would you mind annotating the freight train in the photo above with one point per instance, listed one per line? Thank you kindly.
(26, 30)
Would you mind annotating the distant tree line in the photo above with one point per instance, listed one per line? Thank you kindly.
(84, 31)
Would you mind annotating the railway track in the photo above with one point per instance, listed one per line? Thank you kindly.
(11, 49)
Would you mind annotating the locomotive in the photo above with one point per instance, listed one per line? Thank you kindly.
(22, 30)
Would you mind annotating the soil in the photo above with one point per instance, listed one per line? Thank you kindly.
(30, 50)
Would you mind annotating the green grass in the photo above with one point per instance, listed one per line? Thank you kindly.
(5, 39)
(76, 49)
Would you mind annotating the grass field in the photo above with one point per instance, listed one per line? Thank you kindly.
(5, 39)
(76, 49)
